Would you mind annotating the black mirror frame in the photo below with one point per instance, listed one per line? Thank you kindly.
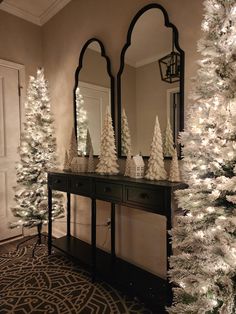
(112, 79)
(122, 64)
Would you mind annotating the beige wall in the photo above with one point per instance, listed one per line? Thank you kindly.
(140, 236)
(128, 100)
(94, 70)
(20, 42)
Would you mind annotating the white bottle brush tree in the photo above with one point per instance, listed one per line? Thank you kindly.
(126, 142)
(174, 175)
(156, 170)
(108, 159)
(125, 135)
(73, 148)
(37, 155)
(168, 141)
(204, 267)
(82, 123)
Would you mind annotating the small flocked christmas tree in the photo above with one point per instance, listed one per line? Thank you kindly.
(73, 152)
(156, 170)
(204, 266)
(107, 160)
(82, 123)
(125, 135)
(174, 175)
(37, 156)
(168, 141)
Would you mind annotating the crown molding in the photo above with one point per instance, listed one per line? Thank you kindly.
(38, 20)
(53, 10)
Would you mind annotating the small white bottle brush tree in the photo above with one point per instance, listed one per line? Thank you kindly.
(108, 158)
(156, 170)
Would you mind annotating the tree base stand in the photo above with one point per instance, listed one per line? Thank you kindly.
(38, 242)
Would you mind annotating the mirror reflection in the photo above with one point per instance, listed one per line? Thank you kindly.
(150, 84)
(93, 95)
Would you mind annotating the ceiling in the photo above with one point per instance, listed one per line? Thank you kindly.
(35, 11)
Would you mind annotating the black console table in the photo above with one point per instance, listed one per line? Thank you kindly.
(150, 196)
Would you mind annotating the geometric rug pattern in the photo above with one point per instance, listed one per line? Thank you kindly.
(56, 285)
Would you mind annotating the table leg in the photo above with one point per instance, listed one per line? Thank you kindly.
(49, 221)
(93, 238)
(68, 215)
(113, 233)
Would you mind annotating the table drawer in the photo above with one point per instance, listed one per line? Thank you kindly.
(109, 191)
(58, 182)
(80, 186)
(146, 197)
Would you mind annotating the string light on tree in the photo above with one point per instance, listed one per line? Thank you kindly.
(204, 267)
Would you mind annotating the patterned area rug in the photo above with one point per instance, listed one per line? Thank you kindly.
(55, 285)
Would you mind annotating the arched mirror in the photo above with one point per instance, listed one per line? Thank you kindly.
(93, 92)
(150, 82)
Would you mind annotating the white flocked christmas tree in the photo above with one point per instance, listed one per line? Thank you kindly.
(204, 265)
(168, 140)
(108, 159)
(156, 170)
(82, 123)
(37, 155)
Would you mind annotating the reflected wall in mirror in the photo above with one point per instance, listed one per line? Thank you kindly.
(142, 92)
(96, 91)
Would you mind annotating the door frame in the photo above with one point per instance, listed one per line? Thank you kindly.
(21, 92)
(21, 79)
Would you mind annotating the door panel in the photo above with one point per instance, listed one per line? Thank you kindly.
(9, 141)
(96, 99)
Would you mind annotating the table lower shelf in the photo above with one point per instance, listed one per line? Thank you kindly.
(152, 290)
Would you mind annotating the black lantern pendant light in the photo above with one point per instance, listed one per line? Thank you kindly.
(170, 66)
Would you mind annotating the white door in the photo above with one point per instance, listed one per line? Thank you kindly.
(96, 99)
(9, 141)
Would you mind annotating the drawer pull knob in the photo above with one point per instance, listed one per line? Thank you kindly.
(144, 196)
(77, 185)
(57, 181)
(107, 190)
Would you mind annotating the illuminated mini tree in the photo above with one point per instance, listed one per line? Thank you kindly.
(82, 123)
(37, 155)
(204, 266)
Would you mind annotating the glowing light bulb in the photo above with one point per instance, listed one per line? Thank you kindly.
(210, 209)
